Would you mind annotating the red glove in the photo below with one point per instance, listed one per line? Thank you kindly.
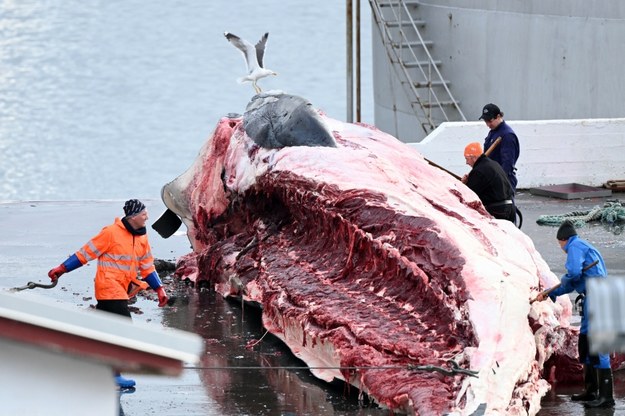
(162, 297)
(57, 272)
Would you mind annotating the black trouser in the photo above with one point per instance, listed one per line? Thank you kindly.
(119, 307)
(584, 352)
(502, 211)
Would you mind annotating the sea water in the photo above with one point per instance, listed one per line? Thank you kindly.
(112, 99)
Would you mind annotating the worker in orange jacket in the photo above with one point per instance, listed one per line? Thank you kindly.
(123, 254)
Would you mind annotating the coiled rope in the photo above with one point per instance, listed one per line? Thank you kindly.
(613, 211)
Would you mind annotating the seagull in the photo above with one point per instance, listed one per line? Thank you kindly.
(253, 58)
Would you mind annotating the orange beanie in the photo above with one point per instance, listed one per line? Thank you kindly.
(473, 149)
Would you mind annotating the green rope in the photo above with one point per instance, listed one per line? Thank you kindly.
(611, 212)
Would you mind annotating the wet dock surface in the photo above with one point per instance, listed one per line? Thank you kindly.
(244, 371)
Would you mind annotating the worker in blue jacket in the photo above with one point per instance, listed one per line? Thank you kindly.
(508, 150)
(580, 256)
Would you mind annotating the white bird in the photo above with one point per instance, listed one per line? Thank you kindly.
(253, 58)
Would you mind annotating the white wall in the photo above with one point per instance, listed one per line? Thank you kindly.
(589, 151)
(36, 382)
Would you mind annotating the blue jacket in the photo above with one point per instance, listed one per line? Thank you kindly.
(507, 152)
(579, 254)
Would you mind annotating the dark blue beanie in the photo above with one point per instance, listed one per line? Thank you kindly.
(133, 207)
(566, 230)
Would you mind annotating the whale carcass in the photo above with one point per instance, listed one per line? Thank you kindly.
(370, 264)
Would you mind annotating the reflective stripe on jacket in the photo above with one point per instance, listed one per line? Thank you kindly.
(121, 258)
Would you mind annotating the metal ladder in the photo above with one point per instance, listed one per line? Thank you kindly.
(427, 91)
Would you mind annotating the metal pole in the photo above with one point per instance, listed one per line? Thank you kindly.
(350, 61)
(358, 91)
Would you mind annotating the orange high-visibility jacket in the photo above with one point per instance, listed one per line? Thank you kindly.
(121, 258)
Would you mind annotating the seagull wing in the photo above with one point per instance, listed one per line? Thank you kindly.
(260, 49)
(248, 50)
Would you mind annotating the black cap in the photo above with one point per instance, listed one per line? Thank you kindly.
(565, 231)
(489, 112)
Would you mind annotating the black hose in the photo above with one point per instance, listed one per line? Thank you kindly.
(518, 215)
(33, 285)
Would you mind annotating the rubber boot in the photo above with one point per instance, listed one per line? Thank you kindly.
(124, 383)
(590, 386)
(606, 397)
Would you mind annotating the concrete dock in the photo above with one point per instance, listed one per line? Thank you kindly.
(37, 236)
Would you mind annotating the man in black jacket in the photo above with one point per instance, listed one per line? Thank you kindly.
(488, 180)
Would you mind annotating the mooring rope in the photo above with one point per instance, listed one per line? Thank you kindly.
(611, 212)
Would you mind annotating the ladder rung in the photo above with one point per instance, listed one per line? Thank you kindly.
(396, 3)
(439, 104)
(410, 45)
(426, 84)
(429, 84)
(414, 64)
(405, 23)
